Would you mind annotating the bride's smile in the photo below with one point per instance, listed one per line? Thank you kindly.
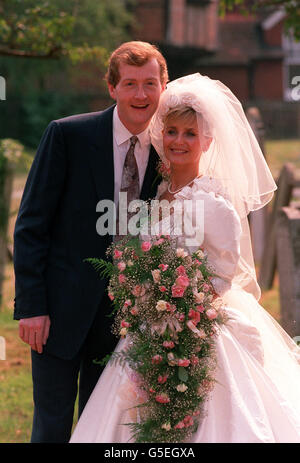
(181, 141)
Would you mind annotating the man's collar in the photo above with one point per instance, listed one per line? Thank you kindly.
(122, 134)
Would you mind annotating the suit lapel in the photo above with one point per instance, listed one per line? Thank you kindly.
(101, 155)
(150, 180)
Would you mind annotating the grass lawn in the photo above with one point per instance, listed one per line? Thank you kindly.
(16, 405)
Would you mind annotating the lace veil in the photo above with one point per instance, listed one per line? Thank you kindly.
(232, 156)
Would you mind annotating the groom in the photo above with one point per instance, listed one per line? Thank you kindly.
(60, 301)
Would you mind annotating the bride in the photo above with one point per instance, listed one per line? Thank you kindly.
(202, 135)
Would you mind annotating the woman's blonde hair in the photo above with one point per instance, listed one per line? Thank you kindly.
(182, 112)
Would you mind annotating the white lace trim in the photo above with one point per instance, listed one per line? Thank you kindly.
(204, 183)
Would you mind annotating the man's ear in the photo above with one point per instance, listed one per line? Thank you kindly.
(112, 90)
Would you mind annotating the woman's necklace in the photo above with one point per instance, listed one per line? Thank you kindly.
(176, 191)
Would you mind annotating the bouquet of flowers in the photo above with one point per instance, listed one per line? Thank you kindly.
(165, 304)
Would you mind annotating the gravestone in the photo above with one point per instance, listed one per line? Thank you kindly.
(288, 265)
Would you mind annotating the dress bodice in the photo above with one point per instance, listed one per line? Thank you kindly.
(202, 215)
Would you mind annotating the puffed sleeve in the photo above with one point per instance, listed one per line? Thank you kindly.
(218, 231)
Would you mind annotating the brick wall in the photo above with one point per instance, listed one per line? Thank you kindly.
(273, 36)
(150, 20)
(268, 80)
(176, 22)
(236, 78)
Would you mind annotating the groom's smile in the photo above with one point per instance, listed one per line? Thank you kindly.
(137, 94)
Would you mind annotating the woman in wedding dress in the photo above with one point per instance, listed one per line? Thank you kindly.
(202, 135)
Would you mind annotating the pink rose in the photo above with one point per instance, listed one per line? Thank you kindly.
(117, 254)
(127, 303)
(182, 280)
(158, 242)
(181, 270)
(162, 379)
(121, 266)
(122, 278)
(170, 307)
(162, 398)
(168, 344)
(180, 316)
(156, 359)
(163, 289)
(111, 296)
(211, 314)
(138, 290)
(206, 287)
(194, 359)
(125, 324)
(152, 390)
(146, 246)
(183, 362)
(200, 308)
(163, 267)
(134, 310)
(177, 291)
(194, 316)
(188, 421)
(179, 425)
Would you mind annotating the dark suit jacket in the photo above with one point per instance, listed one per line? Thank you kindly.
(56, 227)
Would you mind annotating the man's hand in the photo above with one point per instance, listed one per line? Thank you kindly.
(35, 331)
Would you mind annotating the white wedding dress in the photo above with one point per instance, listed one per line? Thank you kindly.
(256, 398)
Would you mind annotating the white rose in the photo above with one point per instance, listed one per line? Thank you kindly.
(123, 332)
(181, 387)
(156, 275)
(199, 297)
(201, 334)
(171, 359)
(166, 426)
(199, 275)
(200, 254)
(181, 252)
(161, 306)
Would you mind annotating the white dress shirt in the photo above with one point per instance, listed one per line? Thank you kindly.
(121, 144)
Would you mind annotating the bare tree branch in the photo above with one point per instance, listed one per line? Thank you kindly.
(55, 53)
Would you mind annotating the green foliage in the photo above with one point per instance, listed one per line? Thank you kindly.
(78, 29)
(291, 7)
(40, 107)
(78, 32)
(103, 267)
(183, 374)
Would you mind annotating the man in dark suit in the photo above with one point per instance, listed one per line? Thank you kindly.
(60, 301)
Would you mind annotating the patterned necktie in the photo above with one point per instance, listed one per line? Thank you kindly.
(131, 185)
